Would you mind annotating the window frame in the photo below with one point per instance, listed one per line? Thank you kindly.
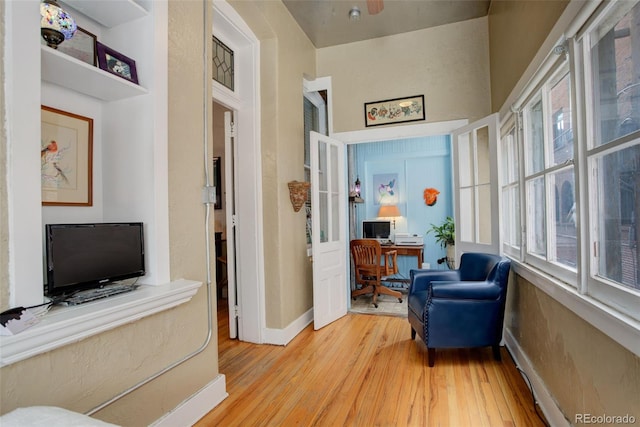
(599, 307)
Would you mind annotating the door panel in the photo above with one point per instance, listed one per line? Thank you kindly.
(229, 174)
(476, 187)
(329, 245)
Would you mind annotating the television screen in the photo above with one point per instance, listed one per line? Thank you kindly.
(83, 256)
(376, 229)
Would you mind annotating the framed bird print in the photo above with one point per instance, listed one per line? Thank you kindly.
(391, 111)
(66, 158)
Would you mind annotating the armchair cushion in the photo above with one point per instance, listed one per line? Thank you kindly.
(484, 290)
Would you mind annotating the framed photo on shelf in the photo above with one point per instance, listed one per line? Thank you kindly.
(116, 63)
(391, 111)
(81, 46)
(66, 158)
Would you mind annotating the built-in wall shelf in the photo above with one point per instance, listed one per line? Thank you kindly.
(64, 70)
(109, 13)
(66, 325)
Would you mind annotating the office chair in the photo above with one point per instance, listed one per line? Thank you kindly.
(371, 267)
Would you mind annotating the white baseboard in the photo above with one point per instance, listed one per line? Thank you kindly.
(550, 409)
(284, 336)
(196, 406)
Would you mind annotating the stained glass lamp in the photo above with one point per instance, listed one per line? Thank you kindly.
(56, 25)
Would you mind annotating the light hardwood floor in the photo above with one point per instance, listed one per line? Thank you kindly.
(364, 370)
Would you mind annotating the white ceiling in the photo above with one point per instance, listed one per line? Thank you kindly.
(326, 22)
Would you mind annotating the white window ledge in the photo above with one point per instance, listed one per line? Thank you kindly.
(617, 326)
(66, 325)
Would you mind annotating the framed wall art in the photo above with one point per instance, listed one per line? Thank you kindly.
(81, 46)
(116, 63)
(397, 110)
(66, 158)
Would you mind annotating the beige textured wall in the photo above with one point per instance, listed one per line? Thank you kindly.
(4, 220)
(81, 376)
(286, 56)
(516, 31)
(448, 64)
(584, 370)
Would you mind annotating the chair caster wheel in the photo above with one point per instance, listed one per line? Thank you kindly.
(399, 299)
(375, 305)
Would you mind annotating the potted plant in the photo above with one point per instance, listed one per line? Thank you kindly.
(445, 234)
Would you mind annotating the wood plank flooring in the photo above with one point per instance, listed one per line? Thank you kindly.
(364, 370)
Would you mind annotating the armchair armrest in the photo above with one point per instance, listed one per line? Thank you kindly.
(420, 279)
(484, 290)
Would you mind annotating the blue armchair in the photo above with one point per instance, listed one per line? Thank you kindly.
(460, 308)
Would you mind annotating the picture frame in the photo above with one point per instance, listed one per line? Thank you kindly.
(66, 158)
(81, 46)
(116, 63)
(396, 110)
(217, 181)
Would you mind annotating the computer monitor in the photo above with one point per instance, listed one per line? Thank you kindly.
(376, 229)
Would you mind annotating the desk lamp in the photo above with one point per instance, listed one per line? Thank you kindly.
(389, 211)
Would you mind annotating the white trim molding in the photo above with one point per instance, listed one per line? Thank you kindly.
(545, 400)
(66, 325)
(284, 336)
(196, 406)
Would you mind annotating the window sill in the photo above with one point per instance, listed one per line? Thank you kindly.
(622, 329)
(66, 325)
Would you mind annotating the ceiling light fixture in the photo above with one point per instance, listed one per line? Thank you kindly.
(354, 13)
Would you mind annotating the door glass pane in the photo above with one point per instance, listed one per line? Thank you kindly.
(536, 224)
(616, 79)
(560, 98)
(484, 214)
(535, 138)
(323, 191)
(465, 160)
(335, 205)
(322, 165)
(467, 215)
(482, 147)
(618, 192)
(324, 217)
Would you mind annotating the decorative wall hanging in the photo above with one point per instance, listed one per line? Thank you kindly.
(66, 158)
(392, 111)
(298, 194)
(385, 189)
(430, 196)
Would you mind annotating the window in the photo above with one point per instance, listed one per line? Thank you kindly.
(550, 176)
(613, 156)
(223, 64)
(510, 188)
(578, 197)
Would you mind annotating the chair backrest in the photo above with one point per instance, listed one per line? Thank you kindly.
(477, 266)
(366, 252)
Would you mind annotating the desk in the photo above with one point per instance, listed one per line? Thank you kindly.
(406, 250)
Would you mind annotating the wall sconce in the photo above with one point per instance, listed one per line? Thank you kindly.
(357, 187)
(298, 193)
(389, 211)
(56, 25)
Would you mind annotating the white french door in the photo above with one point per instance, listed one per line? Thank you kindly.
(329, 243)
(475, 178)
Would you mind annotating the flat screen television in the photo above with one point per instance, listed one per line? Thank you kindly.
(85, 256)
(376, 229)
